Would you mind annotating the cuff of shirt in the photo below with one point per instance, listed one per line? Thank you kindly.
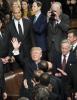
(15, 52)
(58, 21)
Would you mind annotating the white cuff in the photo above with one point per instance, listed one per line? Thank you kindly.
(58, 21)
(15, 52)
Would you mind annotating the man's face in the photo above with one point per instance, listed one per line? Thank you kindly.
(36, 55)
(35, 8)
(65, 48)
(71, 38)
(17, 13)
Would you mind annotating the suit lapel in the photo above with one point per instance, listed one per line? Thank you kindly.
(15, 27)
(38, 19)
(75, 49)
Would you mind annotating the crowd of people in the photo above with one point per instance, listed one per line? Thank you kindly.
(43, 46)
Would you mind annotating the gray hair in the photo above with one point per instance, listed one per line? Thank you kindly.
(66, 41)
(58, 4)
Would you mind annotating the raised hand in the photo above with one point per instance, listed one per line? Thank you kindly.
(16, 44)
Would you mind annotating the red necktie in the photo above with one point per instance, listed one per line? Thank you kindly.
(64, 62)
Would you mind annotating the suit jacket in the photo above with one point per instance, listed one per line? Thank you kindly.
(28, 66)
(57, 32)
(56, 60)
(2, 81)
(74, 51)
(26, 38)
(72, 79)
(4, 45)
(39, 30)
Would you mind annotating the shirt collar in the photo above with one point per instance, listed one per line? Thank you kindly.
(37, 14)
(18, 20)
(74, 45)
(66, 54)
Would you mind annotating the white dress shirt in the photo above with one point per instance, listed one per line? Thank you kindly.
(16, 25)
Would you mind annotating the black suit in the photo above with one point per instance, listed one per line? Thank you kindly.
(4, 45)
(4, 48)
(2, 82)
(72, 79)
(74, 51)
(26, 38)
(56, 60)
(29, 66)
(57, 32)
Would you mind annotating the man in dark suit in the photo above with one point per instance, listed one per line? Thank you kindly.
(58, 58)
(4, 47)
(21, 29)
(3, 94)
(61, 62)
(58, 26)
(72, 37)
(72, 81)
(39, 27)
(29, 65)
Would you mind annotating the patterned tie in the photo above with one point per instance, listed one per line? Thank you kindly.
(64, 62)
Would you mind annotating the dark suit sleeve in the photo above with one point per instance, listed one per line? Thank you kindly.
(2, 80)
(64, 24)
(25, 65)
(40, 26)
(7, 32)
(69, 81)
(32, 35)
(20, 60)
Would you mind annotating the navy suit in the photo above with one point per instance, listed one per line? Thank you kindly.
(40, 31)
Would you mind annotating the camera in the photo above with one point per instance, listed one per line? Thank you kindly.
(52, 18)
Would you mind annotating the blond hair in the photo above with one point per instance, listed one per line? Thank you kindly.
(36, 48)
